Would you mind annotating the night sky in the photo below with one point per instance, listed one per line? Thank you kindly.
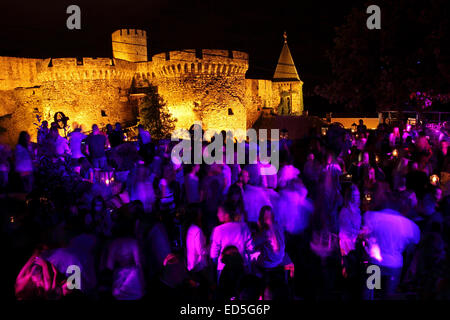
(38, 29)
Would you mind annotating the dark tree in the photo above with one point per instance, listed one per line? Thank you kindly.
(381, 69)
(154, 115)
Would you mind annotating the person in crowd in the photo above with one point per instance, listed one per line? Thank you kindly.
(76, 138)
(5, 155)
(211, 195)
(442, 158)
(60, 147)
(196, 249)
(109, 131)
(232, 273)
(255, 197)
(24, 161)
(146, 146)
(349, 229)
(140, 186)
(269, 240)
(361, 128)
(388, 235)
(96, 144)
(43, 131)
(360, 142)
(118, 135)
(191, 183)
(311, 173)
(123, 259)
(395, 138)
(350, 220)
(231, 232)
(99, 219)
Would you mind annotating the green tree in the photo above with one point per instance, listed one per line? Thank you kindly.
(154, 114)
(381, 69)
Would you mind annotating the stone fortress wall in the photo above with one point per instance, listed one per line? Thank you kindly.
(202, 85)
(87, 90)
(197, 85)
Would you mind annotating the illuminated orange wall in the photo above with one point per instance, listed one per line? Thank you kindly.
(208, 86)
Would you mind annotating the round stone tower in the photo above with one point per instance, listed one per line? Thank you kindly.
(130, 45)
(203, 85)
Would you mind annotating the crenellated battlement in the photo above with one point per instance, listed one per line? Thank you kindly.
(73, 69)
(196, 84)
(130, 45)
(18, 72)
(131, 32)
(191, 62)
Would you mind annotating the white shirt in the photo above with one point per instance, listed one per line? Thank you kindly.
(75, 144)
(196, 251)
(61, 146)
(230, 234)
(389, 234)
(286, 174)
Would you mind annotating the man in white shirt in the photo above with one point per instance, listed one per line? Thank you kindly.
(75, 139)
(388, 235)
(230, 233)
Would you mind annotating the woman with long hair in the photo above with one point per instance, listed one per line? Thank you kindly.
(269, 240)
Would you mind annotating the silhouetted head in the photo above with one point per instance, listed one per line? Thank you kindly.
(24, 139)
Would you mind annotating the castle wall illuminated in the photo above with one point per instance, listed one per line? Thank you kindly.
(198, 85)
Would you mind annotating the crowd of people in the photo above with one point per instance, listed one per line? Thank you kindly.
(140, 226)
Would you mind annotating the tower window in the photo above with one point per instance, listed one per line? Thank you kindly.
(230, 112)
(104, 113)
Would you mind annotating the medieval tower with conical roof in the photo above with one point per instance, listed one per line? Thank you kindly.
(288, 83)
(204, 85)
